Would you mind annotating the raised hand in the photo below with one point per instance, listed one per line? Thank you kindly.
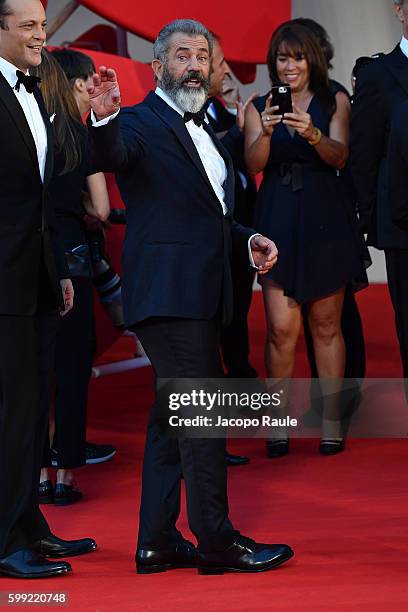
(241, 109)
(301, 122)
(264, 253)
(104, 93)
(269, 118)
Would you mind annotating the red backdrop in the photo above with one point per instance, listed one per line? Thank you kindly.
(245, 30)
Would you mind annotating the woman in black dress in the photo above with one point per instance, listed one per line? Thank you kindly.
(303, 206)
(76, 335)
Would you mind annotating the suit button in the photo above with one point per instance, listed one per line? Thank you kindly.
(39, 230)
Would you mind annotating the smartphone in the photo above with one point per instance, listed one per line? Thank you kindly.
(282, 97)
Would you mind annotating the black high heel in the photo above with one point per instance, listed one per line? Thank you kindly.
(277, 448)
(329, 446)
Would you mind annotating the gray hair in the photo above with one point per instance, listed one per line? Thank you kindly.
(399, 2)
(5, 10)
(184, 26)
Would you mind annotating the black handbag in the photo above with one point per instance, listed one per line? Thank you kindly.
(78, 261)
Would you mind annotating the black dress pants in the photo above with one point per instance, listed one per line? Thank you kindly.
(26, 362)
(183, 348)
(397, 274)
(74, 354)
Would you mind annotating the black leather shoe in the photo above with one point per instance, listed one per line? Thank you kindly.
(244, 555)
(55, 547)
(65, 495)
(331, 447)
(236, 459)
(26, 563)
(183, 554)
(46, 492)
(277, 448)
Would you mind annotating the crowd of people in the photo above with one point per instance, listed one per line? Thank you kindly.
(333, 169)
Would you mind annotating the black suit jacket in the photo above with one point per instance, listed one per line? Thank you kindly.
(398, 167)
(28, 241)
(177, 247)
(381, 87)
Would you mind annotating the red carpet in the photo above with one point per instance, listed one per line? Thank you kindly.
(345, 516)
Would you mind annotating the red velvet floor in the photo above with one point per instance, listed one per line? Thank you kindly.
(345, 516)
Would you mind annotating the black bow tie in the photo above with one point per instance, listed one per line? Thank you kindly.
(28, 81)
(198, 118)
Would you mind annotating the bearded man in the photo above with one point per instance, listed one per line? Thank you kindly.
(176, 180)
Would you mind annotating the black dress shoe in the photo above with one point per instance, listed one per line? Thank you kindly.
(26, 563)
(46, 492)
(331, 447)
(55, 547)
(236, 459)
(244, 555)
(277, 448)
(65, 495)
(182, 554)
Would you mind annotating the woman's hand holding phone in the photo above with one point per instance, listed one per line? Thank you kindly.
(269, 117)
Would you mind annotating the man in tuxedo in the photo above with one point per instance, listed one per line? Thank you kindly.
(176, 180)
(223, 120)
(34, 288)
(228, 126)
(381, 87)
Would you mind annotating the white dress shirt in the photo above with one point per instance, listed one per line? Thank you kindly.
(212, 161)
(404, 46)
(31, 111)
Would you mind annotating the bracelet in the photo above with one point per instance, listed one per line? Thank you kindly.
(315, 141)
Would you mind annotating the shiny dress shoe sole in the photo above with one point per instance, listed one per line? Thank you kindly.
(55, 548)
(45, 574)
(181, 556)
(162, 567)
(208, 570)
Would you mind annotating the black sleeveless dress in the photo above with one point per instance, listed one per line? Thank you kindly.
(305, 209)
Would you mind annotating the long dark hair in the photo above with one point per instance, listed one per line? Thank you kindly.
(299, 41)
(60, 101)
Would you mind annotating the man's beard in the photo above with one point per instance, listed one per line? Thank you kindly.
(188, 99)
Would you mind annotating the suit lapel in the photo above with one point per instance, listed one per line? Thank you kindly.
(398, 64)
(13, 107)
(176, 124)
(49, 162)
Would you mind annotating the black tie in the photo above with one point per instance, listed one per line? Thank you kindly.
(28, 81)
(198, 118)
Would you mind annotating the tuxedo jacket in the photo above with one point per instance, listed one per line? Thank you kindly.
(28, 242)
(381, 87)
(177, 249)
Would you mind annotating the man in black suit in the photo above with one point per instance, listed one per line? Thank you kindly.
(382, 86)
(234, 337)
(176, 180)
(225, 123)
(31, 266)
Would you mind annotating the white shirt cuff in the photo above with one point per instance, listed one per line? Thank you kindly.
(96, 123)
(251, 259)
